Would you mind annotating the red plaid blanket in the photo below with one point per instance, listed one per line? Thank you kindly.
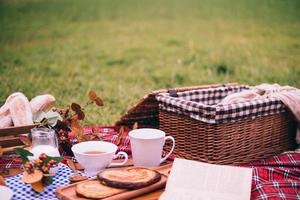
(275, 178)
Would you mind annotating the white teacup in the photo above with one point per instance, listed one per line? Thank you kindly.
(94, 156)
(147, 145)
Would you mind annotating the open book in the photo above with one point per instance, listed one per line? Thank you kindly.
(201, 181)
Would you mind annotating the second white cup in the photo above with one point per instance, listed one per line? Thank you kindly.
(147, 146)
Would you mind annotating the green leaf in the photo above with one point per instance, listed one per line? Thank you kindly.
(24, 154)
(51, 116)
(39, 116)
(48, 158)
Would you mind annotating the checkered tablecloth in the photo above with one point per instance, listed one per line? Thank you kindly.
(24, 191)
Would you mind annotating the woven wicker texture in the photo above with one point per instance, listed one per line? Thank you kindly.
(230, 143)
(146, 111)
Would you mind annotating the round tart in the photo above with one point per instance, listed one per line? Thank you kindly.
(130, 178)
(95, 190)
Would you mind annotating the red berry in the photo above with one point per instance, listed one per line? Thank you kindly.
(27, 165)
(43, 156)
(52, 161)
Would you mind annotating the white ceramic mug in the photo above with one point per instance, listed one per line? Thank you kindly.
(93, 163)
(147, 146)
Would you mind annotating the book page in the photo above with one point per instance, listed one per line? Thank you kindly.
(197, 180)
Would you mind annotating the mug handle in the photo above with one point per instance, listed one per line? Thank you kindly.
(122, 163)
(173, 146)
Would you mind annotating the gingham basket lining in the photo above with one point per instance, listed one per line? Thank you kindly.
(210, 96)
(203, 105)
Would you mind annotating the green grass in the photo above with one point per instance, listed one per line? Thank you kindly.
(123, 49)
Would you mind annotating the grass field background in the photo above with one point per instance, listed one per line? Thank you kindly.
(123, 49)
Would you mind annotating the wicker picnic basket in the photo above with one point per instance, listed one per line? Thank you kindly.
(251, 137)
(232, 134)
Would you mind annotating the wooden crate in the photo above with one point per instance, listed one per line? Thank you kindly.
(10, 137)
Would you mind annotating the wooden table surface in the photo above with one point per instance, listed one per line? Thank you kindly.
(151, 196)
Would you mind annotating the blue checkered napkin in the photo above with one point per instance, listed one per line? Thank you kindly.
(24, 191)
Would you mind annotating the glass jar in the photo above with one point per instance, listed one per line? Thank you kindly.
(44, 140)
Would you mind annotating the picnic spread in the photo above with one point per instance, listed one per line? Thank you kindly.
(231, 124)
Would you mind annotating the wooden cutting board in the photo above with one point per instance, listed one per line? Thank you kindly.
(68, 192)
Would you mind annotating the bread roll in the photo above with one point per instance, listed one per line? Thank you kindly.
(5, 117)
(5, 108)
(41, 103)
(5, 120)
(20, 111)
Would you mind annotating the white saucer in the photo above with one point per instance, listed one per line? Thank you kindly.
(5, 193)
